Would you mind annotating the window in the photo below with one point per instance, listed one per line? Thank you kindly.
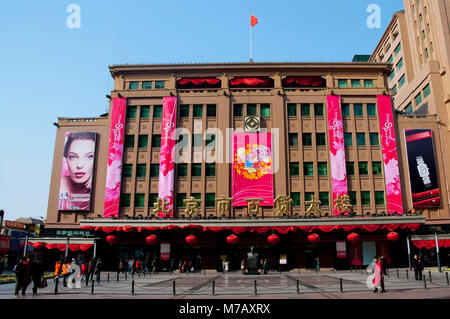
(391, 58)
(210, 140)
(324, 198)
(131, 112)
(418, 98)
(145, 112)
(394, 89)
(265, 110)
(350, 168)
(307, 139)
(141, 170)
(159, 85)
(211, 110)
(129, 141)
(154, 170)
(139, 200)
(371, 110)
(392, 75)
(357, 109)
(294, 169)
(125, 200)
(356, 83)
(196, 195)
(368, 83)
(251, 109)
(345, 110)
(409, 108)
(426, 53)
(401, 81)
(399, 64)
(293, 139)
(198, 110)
(152, 199)
(156, 140)
(295, 199)
(182, 170)
(184, 110)
(305, 109)
(197, 140)
(363, 168)
(308, 169)
(365, 198)
(180, 197)
(352, 195)
(146, 85)
(426, 90)
(292, 109)
(157, 111)
(379, 197)
(318, 109)
(210, 200)
(376, 168)
(374, 141)
(133, 85)
(143, 141)
(398, 49)
(348, 139)
(424, 34)
(320, 139)
(342, 83)
(210, 169)
(183, 140)
(308, 196)
(322, 168)
(361, 139)
(196, 169)
(237, 110)
(127, 170)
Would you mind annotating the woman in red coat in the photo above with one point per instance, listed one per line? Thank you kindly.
(378, 280)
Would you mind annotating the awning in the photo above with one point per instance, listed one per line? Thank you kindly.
(429, 241)
(60, 243)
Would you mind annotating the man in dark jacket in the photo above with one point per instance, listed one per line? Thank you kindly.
(36, 275)
(90, 271)
(19, 271)
(418, 267)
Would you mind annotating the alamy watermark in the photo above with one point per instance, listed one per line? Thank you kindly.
(374, 19)
(74, 19)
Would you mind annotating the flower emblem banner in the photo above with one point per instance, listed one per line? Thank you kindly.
(167, 155)
(390, 158)
(115, 152)
(337, 150)
(252, 168)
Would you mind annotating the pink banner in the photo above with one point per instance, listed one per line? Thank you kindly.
(115, 152)
(390, 159)
(252, 168)
(337, 150)
(167, 155)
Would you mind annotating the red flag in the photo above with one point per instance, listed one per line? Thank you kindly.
(253, 20)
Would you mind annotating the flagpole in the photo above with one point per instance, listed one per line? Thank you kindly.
(251, 58)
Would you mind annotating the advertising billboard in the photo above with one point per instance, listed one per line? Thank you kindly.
(77, 171)
(422, 168)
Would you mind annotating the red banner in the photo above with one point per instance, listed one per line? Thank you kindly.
(115, 153)
(390, 159)
(4, 243)
(341, 249)
(252, 168)
(356, 258)
(165, 251)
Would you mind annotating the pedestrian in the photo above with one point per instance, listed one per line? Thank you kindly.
(27, 275)
(184, 266)
(180, 265)
(266, 266)
(98, 269)
(65, 274)
(154, 265)
(130, 266)
(57, 269)
(90, 271)
(416, 266)
(227, 266)
(316, 264)
(121, 267)
(378, 280)
(37, 273)
(172, 264)
(383, 265)
(138, 264)
(421, 266)
(83, 270)
(19, 272)
(243, 266)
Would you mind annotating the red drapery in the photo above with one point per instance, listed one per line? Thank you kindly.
(108, 229)
(128, 229)
(305, 80)
(198, 81)
(50, 246)
(61, 247)
(85, 247)
(429, 244)
(250, 81)
(74, 247)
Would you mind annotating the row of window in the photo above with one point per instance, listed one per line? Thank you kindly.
(209, 200)
(184, 111)
(252, 109)
(355, 83)
(182, 170)
(197, 140)
(321, 139)
(417, 99)
(146, 85)
(322, 168)
(358, 109)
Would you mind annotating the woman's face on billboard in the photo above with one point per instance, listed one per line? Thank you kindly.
(80, 160)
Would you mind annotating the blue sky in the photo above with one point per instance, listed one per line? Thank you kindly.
(48, 70)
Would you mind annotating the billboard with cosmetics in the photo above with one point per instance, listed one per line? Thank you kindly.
(422, 168)
(77, 171)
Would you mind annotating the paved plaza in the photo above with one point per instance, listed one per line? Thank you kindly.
(286, 285)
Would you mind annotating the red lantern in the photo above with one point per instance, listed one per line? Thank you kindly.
(273, 239)
(353, 237)
(112, 239)
(191, 239)
(152, 240)
(38, 245)
(314, 238)
(393, 236)
(233, 239)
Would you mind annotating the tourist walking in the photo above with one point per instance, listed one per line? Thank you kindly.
(37, 273)
(27, 275)
(83, 270)
(90, 271)
(19, 272)
(378, 280)
(266, 266)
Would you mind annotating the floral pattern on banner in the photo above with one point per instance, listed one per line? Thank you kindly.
(115, 154)
(253, 161)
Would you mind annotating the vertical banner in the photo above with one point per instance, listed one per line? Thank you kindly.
(115, 153)
(390, 159)
(356, 258)
(252, 168)
(422, 168)
(77, 170)
(167, 155)
(337, 150)
(341, 249)
(165, 251)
